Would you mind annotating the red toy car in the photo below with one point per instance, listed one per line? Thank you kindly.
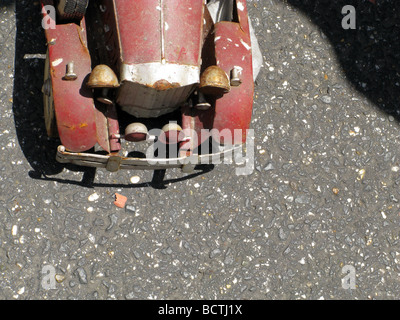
(150, 59)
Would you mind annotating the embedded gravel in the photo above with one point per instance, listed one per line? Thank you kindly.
(324, 192)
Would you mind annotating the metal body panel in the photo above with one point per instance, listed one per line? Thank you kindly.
(149, 74)
(233, 49)
(153, 89)
(160, 64)
(74, 107)
(195, 121)
(146, 102)
(183, 31)
(232, 46)
(156, 30)
(138, 25)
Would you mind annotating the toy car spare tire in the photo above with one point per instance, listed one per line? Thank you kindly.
(72, 9)
(48, 102)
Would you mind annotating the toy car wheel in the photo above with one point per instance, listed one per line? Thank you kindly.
(72, 9)
(48, 102)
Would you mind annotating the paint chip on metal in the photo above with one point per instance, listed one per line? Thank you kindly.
(248, 47)
(57, 62)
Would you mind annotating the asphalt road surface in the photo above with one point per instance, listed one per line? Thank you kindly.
(318, 218)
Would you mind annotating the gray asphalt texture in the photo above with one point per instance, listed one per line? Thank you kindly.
(324, 193)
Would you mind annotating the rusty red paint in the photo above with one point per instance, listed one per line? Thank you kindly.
(233, 49)
(162, 85)
(102, 130)
(113, 127)
(182, 53)
(149, 30)
(183, 31)
(146, 31)
(138, 23)
(80, 124)
(197, 122)
(234, 109)
(73, 102)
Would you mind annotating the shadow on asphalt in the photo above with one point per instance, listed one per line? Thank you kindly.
(157, 182)
(38, 149)
(369, 54)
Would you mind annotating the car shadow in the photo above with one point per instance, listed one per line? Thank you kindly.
(370, 54)
(27, 97)
(38, 149)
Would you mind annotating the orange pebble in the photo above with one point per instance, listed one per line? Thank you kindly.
(120, 200)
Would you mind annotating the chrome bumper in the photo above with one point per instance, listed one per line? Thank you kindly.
(114, 163)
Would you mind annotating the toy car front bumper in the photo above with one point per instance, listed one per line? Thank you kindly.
(114, 163)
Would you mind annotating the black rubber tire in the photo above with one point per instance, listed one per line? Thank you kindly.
(48, 102)
(72, 9)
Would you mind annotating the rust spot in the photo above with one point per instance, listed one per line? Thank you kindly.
(70, 127)
(163, 85)
(102, 76)
(82, 39)
(214, 81)
(73, 127)
(53, 72)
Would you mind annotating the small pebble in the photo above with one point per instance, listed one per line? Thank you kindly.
(326, 99)
(215, 253)
(282, 234)
(135, 179)
(93, 197)
(82, 275)
(113, 220)
(59, 278)
(361, 174)
(130, 209)
(269, 166)
(14, 230)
